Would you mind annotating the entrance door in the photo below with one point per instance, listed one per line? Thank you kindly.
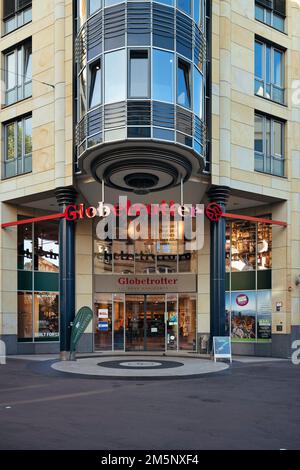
(145, 322)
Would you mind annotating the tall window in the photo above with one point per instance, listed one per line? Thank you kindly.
(18, 147)
(139, 74)
(115, 76)
(183, 84)
(38, 284)
(163, 76)
(269, 72)
(95, 84)
(16, 13)
(18, 73)
(269, 145)
(271, 12)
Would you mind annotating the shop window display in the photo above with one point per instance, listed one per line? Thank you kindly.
(249, 281)
(38, 269)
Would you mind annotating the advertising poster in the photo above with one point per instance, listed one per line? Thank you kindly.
(243, 316)
(264, 315)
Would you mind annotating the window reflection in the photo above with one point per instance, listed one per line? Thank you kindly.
(183, 84)
(25, 316)
(138, 74)
(95, 84)
(25, 247)
(163, 76)
(46, 319)
(115, 76)
(46, 248)
(185, 5)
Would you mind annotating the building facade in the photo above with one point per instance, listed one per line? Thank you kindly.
(190, 102)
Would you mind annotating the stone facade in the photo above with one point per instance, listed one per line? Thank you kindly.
(232, 158)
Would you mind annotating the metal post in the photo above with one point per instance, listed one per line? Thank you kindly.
(66, 196)
(217, 265)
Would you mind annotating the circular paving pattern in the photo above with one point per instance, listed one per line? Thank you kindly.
(140, 367)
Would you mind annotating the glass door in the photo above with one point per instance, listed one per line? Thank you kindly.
(172, 322)
(155, 323)
(135, 323)
(145, 323)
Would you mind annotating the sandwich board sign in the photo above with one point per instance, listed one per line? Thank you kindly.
(222, 348)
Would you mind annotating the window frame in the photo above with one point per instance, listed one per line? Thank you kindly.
(91, 65)
(16, 158)
(273, 13)
(190, 94)
(273, 156)
(129, 51)
(18, 15)
(263, 80)
(21, 84)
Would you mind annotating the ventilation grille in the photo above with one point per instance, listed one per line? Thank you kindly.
(114, 34)
(163, 27)
(138, 23)
(184, 35)
(163, 115)
(139, 113)
(94, 36)
(115, 115)
(184, 121)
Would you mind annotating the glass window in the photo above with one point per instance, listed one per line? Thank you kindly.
(187, 322)
(123, 256)
(258, 60)
(138, 74)
(271, 12)
(278, 70)
(103, 319)
(163, 76)
(16, 13)
(38, 314)
(18, 147)
(269, 72)
(102, 257)
(46, 316)
(82, 12)
(183, 84)
(166, 2)
(115, 76)
(25, 247)
(269, 145)
(198, 93)
(264, 247)
(145, 256)
(25, 325)
(94, 5)
(46, 247)
(119, 310)
(18, 77)
(95, 84)
(82, 93)
(185, 5)
(259, 134)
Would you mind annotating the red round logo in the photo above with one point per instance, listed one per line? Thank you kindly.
(242, 300)
(213, 212)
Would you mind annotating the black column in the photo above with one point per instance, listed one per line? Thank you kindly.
(66, 196)
(220, 196)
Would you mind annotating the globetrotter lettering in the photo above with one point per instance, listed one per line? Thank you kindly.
(164, 221)
(163, 281)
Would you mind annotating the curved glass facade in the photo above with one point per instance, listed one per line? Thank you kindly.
(140, 72)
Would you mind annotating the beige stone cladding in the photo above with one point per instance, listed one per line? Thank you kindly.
(234, 104)
(51, 106)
